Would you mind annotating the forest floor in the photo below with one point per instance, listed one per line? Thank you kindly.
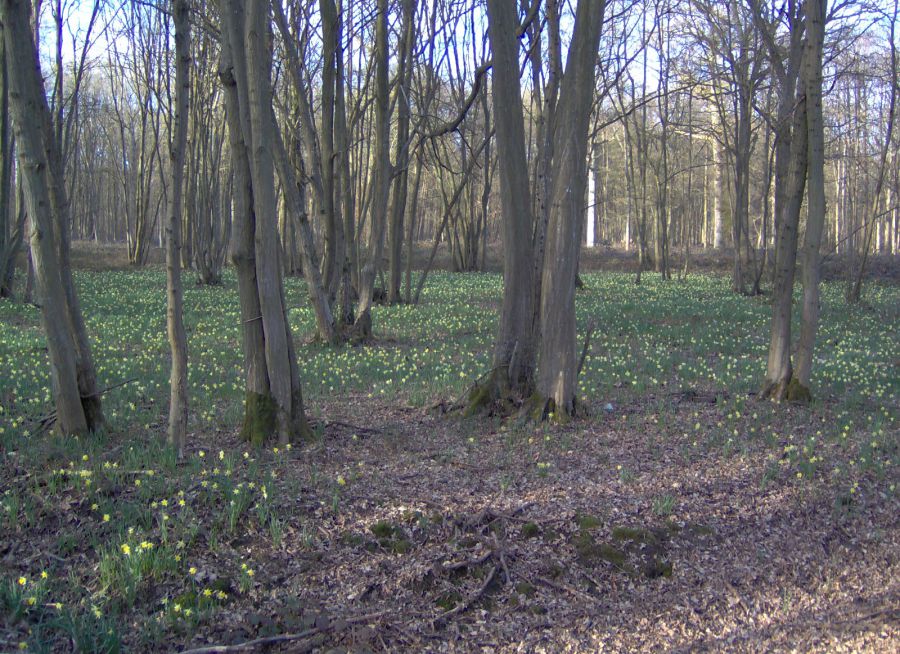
(681, 515)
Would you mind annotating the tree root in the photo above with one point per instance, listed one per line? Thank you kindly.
(786, 390)
(361, 330)
(492, 396)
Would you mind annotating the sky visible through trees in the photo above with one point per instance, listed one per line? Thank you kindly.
(511, 311)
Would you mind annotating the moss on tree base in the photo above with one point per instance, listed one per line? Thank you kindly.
(797, 392)
(786, 390)
(493, 396)
(361, 331)
(259, 418)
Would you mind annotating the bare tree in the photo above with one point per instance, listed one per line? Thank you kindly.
(178, 401)
(558, 367)
(73, 377)
(274, 402)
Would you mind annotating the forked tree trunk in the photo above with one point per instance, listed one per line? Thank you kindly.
(557, 368)
(290, 421)
(258, 415)
(273, 399)
(178, 396)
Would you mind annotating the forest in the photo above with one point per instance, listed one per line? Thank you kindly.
(449, 326)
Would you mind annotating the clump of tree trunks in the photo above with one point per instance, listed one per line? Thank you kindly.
(534, 357)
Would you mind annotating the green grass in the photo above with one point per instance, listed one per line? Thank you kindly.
(145, 528)
(657, 334)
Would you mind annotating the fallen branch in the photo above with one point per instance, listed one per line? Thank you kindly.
(347, 425)
(281, 638)
(109, 388)
(474, 597)
(587, 344)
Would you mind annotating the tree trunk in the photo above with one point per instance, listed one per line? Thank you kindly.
(401, 163)
(333, 227)
(779, 371)
(7, 231)
(178, 395)
(382, 178)
(345, 184)
(514, 357)
(290, 421)
(558, 366)
(30, 114)
(273, 398)
(815, 221)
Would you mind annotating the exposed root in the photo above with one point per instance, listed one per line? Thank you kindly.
(544, 409)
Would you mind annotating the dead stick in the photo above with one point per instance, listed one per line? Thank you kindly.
(587, 344)
(459, 608)
(272, 640)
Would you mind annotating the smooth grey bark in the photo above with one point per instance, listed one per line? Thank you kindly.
(178, 395)
(515, 348)
(381, 174)
(815, 220)
(558, 368)
(76, 411)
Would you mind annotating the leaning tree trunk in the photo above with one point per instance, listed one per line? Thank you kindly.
(558, 367)
(30, 115)
(178, 396)
(779, 371)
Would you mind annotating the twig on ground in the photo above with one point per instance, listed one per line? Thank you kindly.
(474, 597)
(587, 344)
(281, 638)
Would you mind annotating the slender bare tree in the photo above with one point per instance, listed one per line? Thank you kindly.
(178, 395)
